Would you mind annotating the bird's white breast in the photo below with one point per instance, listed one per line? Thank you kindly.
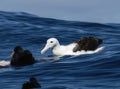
(64, 50)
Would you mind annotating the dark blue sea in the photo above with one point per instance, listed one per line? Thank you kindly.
(100, 70)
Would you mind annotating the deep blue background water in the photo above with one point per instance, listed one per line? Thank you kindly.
(96, 71)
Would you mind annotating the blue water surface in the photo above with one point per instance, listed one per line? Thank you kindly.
(95, 71)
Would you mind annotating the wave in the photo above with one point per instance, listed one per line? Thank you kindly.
(35, 20)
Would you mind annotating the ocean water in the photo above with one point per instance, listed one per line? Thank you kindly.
(91, 71)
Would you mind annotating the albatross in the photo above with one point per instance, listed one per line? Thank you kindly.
(85, 45)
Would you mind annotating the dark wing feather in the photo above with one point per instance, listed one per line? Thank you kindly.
(87, 43)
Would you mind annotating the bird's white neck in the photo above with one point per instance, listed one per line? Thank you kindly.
(57, 45)
(57, 49)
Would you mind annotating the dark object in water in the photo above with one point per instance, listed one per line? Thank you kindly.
(87, 44)
(21, 57)
(33, 83)
(26, 86)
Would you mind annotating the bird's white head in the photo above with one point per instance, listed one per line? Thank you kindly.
(51, 43)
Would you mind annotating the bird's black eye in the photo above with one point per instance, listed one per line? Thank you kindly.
(51, 41)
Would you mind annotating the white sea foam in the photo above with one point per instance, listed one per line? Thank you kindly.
(4, 63)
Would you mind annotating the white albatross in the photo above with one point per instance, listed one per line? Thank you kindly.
(61, 50)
